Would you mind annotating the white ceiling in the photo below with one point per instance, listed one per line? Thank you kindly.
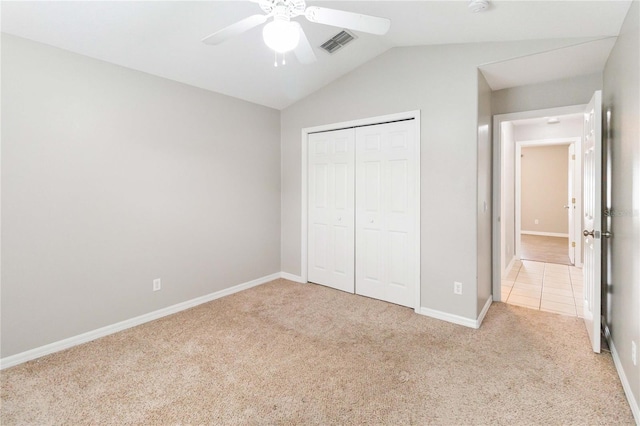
(163, 38)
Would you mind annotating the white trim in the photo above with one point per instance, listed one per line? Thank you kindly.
(484, 311)
(292, 277)
(545, 234)
(509, 266)
(498, 119)
(304, 161)
(457, 319)
(60, 345)
(623, 377)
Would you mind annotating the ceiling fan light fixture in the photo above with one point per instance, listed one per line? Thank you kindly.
(281, 35)
(477, 6)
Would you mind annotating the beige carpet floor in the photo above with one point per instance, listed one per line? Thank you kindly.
(286, 353)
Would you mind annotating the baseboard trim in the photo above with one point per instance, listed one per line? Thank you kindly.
(545, 234)
(623, 377)
(444, 316)
(509, 266)
(484, 311)
(60, 345)
(292, 277)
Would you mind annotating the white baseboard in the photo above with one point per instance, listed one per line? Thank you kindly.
(291, 277)
(60, 345)
(457, 319)
(509, 266)
(484, 311)
(623, 377)
(545, 234)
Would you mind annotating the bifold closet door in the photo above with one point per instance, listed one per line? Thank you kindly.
(331, 222)
(386, 232)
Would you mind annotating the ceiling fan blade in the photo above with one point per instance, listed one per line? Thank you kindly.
(235, 29)
(348, 20)
(304, 51)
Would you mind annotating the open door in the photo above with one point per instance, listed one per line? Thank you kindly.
(571, 204)
(592, 181)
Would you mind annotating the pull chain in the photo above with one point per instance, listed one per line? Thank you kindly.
(275, 60)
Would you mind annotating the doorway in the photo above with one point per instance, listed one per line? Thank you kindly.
(547, 196)
(538, 209)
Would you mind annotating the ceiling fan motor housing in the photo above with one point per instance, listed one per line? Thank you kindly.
(288, 8)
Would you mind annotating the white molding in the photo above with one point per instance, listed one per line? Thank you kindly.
(60, 345)
(444, 316)
(292, 277)
(635, 409)
(484, 311)
(509, 267)
(545, 234)
(457, 319)
(304, 176)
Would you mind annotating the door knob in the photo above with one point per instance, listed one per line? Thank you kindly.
(607, 234)
(587, 233)
(566, 207)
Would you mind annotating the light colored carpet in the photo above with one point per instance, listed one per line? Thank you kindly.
(286, 353)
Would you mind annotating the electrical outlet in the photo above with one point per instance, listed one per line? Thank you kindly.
(634, 353)
(157, 285)
(537, 222)
(457, 287)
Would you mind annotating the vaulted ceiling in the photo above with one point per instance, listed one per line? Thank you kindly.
(163, 38)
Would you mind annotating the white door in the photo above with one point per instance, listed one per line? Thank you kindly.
(592, 181)
(571, 206)
(386, 230)
(331, 209)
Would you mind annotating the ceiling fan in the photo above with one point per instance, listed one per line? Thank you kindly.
(283, 35)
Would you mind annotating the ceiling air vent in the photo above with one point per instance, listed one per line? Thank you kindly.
(338, 41)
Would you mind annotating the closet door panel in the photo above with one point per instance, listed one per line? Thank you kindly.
(331, 209)
(385, 185)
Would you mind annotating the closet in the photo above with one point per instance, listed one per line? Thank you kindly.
(363, 204)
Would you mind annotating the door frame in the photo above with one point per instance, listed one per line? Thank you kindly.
(304, 199)
(577, 143)
(497, 237)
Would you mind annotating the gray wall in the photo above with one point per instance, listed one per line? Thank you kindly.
(484, 190)
(442, 82)
(111, 178)
(620, 96)
(544, 189)
(551, 94)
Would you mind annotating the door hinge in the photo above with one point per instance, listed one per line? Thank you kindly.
(573, 200)
(573, 243)
(573, 157)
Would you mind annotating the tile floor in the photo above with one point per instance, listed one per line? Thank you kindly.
(544, 286)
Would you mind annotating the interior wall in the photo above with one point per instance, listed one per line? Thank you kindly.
(508, 215)
(558, 93)
(621, 99)
(112, 178)
(544, 189)
(442, 82)
(484, 208)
